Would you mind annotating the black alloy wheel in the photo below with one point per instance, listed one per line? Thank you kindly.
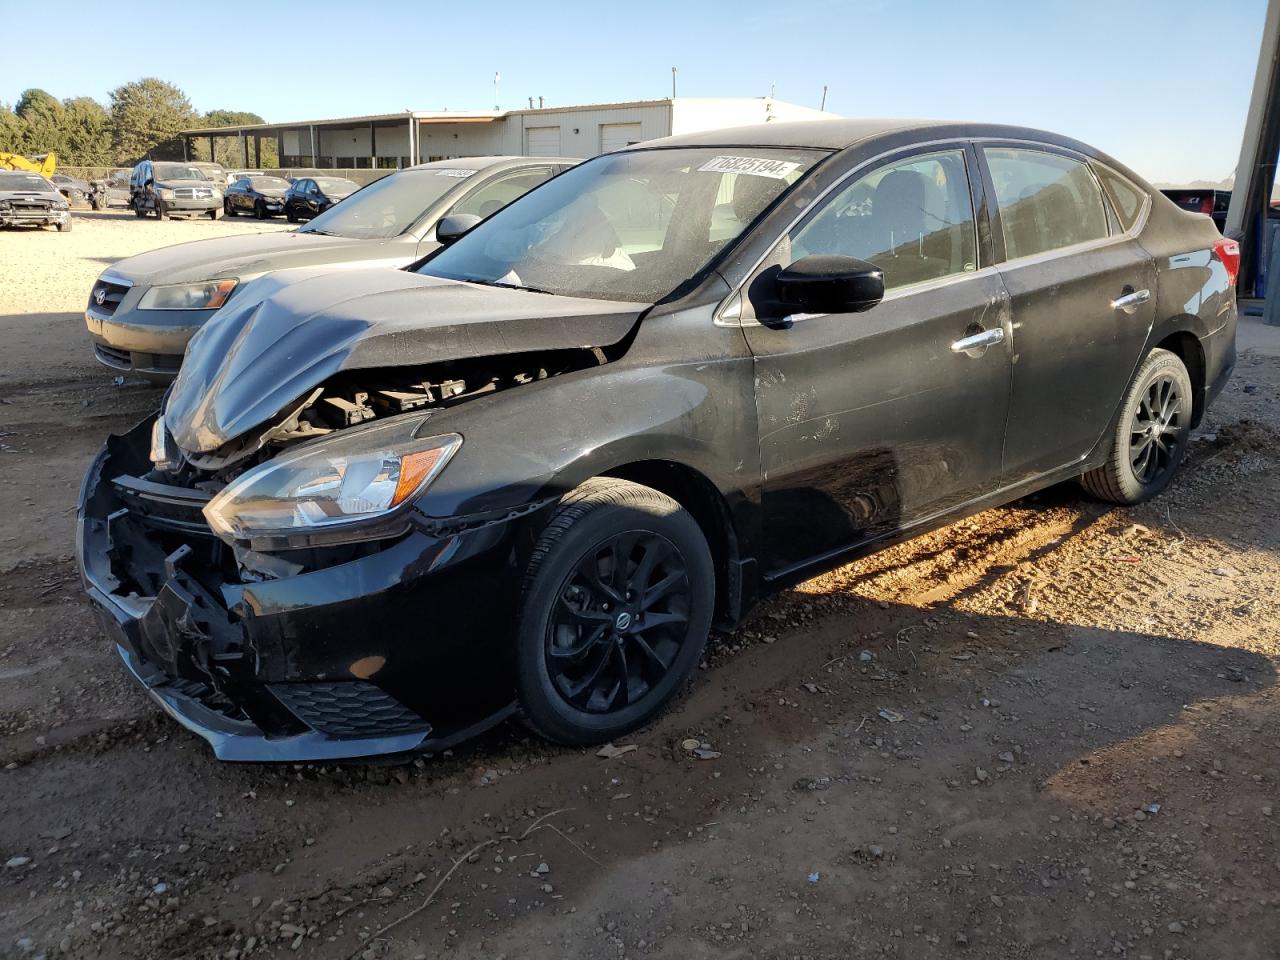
(621, 618)
(1151, 433)
(1154, 442)
(616, 610)
(260, 210)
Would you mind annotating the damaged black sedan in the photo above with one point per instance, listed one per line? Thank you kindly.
(382, 510)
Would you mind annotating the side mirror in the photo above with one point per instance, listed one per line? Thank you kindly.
(453, 226)
(830, 283)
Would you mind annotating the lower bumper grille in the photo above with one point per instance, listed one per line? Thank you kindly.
(113, 357)
(348, 710)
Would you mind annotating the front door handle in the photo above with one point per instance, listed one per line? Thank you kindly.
(1131, 301)
(978, 341)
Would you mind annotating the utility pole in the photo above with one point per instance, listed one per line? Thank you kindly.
(824, 98)
(496, 101)
(673, 83)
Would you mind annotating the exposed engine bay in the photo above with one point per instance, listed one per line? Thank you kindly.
(355, 397)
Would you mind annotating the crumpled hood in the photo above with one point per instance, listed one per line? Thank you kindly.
(251, 255)
(31, 195)
(251, 362)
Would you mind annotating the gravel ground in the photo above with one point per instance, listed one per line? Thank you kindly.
(1050, 731)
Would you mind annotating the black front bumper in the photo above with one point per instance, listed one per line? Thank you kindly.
(388, 647)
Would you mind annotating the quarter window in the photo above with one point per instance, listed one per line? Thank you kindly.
(1046, 201)
(1125, 197)
(913, 219)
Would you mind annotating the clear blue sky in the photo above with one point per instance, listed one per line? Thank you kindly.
(1163, 84)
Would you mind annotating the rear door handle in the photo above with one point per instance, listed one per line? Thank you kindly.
(1131, 301)
(977, 341)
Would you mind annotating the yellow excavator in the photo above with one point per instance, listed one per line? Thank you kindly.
(44, 164)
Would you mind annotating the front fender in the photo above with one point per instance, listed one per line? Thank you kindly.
(539, 441)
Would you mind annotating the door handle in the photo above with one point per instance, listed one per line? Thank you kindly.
(1131, 301)
(977, 341)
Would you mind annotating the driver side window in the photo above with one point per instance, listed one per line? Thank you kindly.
(913, 219)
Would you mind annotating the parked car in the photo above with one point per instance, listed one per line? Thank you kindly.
(73, 188)
(111, 190)
(1201, 200)
(381, 510)
(261, 196)
(28, 199)
(311, 196)
(234, 175)
(214, 172)
(173, 189)
(143, 310)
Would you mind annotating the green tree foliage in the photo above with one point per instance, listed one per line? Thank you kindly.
(146, 116)
(144, 119)
(42, 119)
(86, 133)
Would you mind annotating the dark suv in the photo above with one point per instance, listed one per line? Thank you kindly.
(381, 509)
(173, 189)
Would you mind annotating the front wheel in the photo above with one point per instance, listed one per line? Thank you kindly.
(1151, 435)
(65, 226)
(227, 209)
(162, 212)
(616, 607)
(260, 210)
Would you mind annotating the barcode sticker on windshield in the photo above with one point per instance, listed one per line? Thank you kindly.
(454, 173)
(754, 166)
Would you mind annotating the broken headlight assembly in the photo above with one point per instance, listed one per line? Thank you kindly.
(357, 479)
(204, 295)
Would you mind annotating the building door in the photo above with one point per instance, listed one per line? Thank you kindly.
(542, 141)
(615, 136)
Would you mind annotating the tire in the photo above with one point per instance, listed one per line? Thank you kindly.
(1150, 436)
(654, 645)
(99, 202)
(139, 210)
(290, 215)
(260, 210)
(227, 209)
(64, 227)
(162, 212)
(215, 213)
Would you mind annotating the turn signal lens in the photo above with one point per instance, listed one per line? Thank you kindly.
(414, 469)
(1228, 251)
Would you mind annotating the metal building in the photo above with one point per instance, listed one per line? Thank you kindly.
(388, 141)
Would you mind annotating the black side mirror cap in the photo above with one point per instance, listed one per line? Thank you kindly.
(830, 283)
(453, 226)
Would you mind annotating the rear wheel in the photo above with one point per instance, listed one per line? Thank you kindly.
(615, 612)
(1151, 435)
(139, 210)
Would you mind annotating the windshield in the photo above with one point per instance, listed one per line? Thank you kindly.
(629, 226)
(336, 185)
(387, 207)
(25, 181)
(178, 171)
(269, 183)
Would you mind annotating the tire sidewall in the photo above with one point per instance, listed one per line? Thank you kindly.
(537, 693)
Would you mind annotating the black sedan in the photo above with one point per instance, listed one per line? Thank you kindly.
(261, 196)
(310, 196)
(383, 509)
(73, 188)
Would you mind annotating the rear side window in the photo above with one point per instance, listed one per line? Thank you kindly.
(913, 219)
(492, 197)
(1126, 198)
(1046, 201)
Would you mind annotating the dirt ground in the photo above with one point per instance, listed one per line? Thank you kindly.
(1049, 731)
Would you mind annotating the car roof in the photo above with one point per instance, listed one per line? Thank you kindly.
(840, 134)
(484, 163)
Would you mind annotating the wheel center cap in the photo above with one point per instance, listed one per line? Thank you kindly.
(623, 621)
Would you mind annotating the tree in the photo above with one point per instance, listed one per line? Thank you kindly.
(146, 116)
(227, 149)
(42, 119)
(13, 132)
(86, 133)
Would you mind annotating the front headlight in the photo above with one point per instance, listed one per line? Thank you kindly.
(165, 193)
(370, 476)
(204, 295)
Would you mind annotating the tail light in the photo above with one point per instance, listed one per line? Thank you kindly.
(1206, 204)
(1228, 251)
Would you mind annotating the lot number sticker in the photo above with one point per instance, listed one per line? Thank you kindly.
(753, 166)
